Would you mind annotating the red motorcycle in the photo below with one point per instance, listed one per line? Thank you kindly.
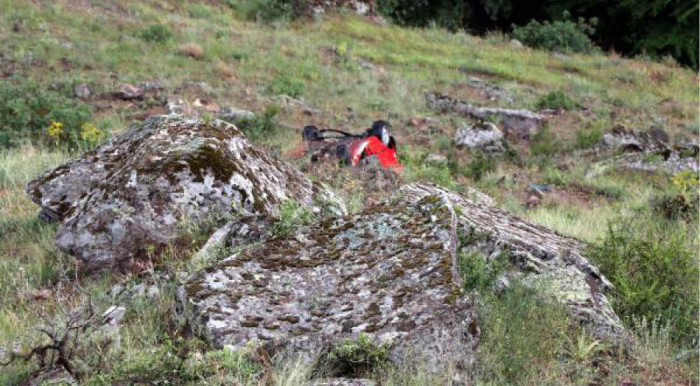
(375, 145)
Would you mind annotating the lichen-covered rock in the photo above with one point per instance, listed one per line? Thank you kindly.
(483, 136)
(518, 123)
(537, 256)
(648, 152)
(388, 272)
(621, 138)
(124, 200)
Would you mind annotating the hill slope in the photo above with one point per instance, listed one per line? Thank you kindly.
(344, 72)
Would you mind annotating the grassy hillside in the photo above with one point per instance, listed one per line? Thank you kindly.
(344, 72)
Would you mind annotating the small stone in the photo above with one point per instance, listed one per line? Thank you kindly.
(483, 136)
(82, 91)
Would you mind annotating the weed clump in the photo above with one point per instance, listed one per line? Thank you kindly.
(655, 277)
(355, 358)
(156, 33)
(292, 215)
(556, 100)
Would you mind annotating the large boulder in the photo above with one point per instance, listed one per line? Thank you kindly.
(390, 273)
(537, 256)
(129, 198)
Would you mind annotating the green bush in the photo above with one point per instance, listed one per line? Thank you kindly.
(28, 111)
(271, 10)
(479, 273)
(156, 33)
(561, 36)
(556, 100)
(655, 276)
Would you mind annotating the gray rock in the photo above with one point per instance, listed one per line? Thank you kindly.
(388, 272)
(622, 138)
(483, 136)
(232, 114)
(123, 201)
(541, 258)
(649, 152)
(520, 123)
(82, 91)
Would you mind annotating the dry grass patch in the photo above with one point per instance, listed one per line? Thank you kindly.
(192, 50)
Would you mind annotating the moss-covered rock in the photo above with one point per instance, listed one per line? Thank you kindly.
(387, 274)
(125, 200)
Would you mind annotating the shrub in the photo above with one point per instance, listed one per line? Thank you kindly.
(156, 33)
(271, 10)
(478, 272)
(655, 276)
(562, 36)
(29, 112)
(556, 100)
(355, 358)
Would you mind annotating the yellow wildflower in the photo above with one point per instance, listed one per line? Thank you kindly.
(90, 133)
(686, 180)
(55, 130)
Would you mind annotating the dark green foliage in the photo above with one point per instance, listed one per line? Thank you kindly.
(422, 13)
(355, 358)
(286, 85)
(561, 36)
(27, 110)
(480, 273)
(271, 10)
(655, 275)
(556, 100)
(650, 27)
(156, 33)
